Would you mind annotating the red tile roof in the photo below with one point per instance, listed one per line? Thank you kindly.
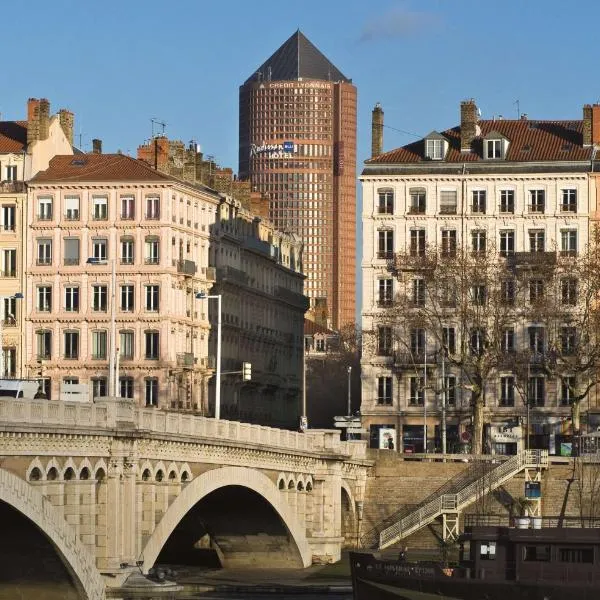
(98, 167)
(13, 136)
(530, 141)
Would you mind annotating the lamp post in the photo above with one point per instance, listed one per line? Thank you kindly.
(349, 391)
(3, 299)
(202, 295)
(113, 369)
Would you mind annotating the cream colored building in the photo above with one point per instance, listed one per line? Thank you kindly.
(25, 148)
(155, 231)
(259, 275)
(519, 186)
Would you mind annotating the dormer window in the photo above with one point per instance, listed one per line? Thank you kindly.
(495, 146)
(435, 146)
(493, 149)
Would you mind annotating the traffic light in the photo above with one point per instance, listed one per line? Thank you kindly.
(246, 371)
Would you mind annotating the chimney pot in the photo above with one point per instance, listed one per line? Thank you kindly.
(96, 146)
(377, 131)
(596, 124)
(468, 124)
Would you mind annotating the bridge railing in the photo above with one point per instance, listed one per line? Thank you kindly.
(112, 414)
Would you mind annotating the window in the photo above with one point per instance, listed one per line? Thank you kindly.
(127, 207)
(71, 254)
(417, 242)
(568, 340)
(384, 390)
(447, 291)
(44, 298)
(417, 391)
(536, 290)
(568, 242)
(152, 298)
(507, 341)
(493, 148)
(477, 341)
(152, 256)
(100, 208)
(449, 339)
(537, 240)
(384, 341)
(9, 263)
(44, 252)
(434, 149)
(44, 344)
(152, 207)
(568, 201)
(507, 291)
(152, 349)
(507, 242)
(507, 201)
(449, 243)
(72, 298)
(386, 202)
(70, 381)
(127, 253)
(450, 389)
(567, 390)
(385, 244)
(537, 391)
(151, 391)
(71, 350)
(487, 550)
(385, 292)
(568, 291)
(478, 241)
(576, 555)
(99, 387)
(478, 201)
(448, 203)
(99, 345)
(478, 294)
(8, 217)
(100, 249)
(536, 339)
(11, 173)
(507, 390)
(45, 209)
(417, 342)
(418, 292)
(72, 208)
(9, 311)
(100, 298)
(418, 201)
(10, 362)
(126, 387)
(127, 298)
(537, 201)
(126, 345)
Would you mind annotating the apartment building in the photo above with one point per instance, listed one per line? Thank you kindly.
(26, 146)
(259, 277)
(520, 187)
(118, 251)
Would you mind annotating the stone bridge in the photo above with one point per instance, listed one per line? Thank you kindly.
(114, 487)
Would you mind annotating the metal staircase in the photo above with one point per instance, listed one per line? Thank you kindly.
(449, 504)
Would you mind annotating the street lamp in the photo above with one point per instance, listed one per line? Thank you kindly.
(17, 296)
(349, 391)
(113, 368)
(202, 296)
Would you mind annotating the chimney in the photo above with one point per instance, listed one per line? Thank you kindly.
(67, 122)
(377, 131)
(44, 119)
(96, 146)
(33, 120)
(596, 124)
(591, 124)
(468, 124)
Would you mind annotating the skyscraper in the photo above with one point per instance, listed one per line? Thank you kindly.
(298, 147)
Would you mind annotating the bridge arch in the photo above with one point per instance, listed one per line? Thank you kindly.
(212, 480)
(24, 498)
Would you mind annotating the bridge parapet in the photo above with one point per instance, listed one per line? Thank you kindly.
(109, 414)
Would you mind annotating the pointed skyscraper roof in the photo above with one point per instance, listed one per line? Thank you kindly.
(297, 58)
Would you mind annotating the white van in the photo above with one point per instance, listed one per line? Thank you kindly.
(18, 388)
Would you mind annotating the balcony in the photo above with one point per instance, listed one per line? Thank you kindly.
(186, 360)
(186, 267)
(531, 260)
(294, 298)
(43, 262)
(208, 362)
(12, 187)
(410, 359)
(211, 274)
(385, 303)
(448, 209)
(416, 210)
(69, 262)
(506, 208)
(152, 260)
(9, 322)
(11, 273)
(232, 275)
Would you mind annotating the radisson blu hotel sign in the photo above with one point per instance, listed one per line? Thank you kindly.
(285, 150)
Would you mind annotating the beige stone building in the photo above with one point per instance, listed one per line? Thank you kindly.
(154, 231)
(25, 147)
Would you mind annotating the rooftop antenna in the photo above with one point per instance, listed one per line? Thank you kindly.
(516, 102)
(162, 124)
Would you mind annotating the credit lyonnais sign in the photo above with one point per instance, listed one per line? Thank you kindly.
(284, 150)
